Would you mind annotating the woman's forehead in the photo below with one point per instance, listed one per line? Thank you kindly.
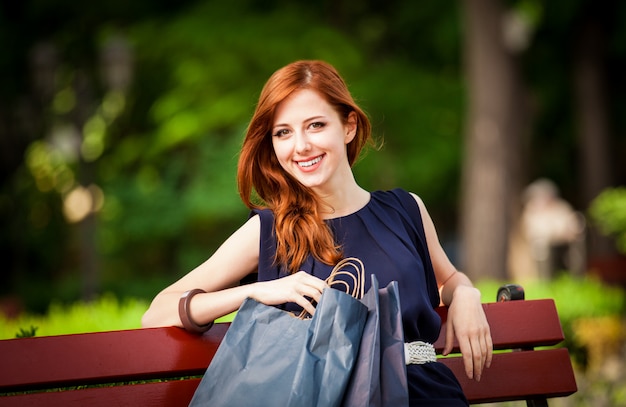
(300, 106)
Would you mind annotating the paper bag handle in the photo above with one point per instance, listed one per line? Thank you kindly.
(358, 279)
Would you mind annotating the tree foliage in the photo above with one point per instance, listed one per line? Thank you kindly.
(608, 211)
(156, 159)
(152, 158)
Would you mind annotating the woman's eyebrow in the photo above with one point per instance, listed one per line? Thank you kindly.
(304, 121)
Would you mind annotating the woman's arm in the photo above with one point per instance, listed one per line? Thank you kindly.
(219, 276)
(466, 317)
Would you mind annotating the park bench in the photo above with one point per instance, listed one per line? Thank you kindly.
(162, 366)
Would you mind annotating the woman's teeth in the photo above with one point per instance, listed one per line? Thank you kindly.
(310, 162)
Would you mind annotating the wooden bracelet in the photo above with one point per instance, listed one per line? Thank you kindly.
(185, 315)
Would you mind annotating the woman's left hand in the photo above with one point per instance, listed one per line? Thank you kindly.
(467, 321)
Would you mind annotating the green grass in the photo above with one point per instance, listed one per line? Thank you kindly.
(107, 313)
(574, 297)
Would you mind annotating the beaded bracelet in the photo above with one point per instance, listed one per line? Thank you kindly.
(185, 316)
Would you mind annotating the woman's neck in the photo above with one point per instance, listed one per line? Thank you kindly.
(344, 201)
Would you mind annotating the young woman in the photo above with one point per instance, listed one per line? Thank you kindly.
(309, 212)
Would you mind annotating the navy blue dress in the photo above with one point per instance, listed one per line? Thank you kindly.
(387, 235)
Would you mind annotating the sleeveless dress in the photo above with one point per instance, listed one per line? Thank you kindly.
(387, 235)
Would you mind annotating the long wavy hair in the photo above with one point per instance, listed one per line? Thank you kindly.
(299, 227)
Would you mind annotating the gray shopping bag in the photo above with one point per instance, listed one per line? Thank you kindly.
(379, 377)
(268, 357)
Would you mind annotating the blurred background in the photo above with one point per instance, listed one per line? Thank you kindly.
(120, 124)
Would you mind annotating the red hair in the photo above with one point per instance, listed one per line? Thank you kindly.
(300, 229)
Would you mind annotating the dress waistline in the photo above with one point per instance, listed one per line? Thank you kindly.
(419, 353)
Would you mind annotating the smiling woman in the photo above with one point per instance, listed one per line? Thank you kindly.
(309, 213)
(302, 102)
(313, 149)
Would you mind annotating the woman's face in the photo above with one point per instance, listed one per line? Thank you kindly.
(310, 138)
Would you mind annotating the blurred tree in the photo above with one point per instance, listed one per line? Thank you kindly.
(574, 67)
(533, 104)
(50, 89)
(495, 123)
(123, 120)
(146, 171)
(590, 82)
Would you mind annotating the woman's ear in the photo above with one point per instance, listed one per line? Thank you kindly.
(351, 127)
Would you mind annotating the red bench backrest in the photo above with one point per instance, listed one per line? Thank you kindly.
(165, 353)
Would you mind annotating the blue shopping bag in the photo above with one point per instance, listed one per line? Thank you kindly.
(269, 357)
(379, 376)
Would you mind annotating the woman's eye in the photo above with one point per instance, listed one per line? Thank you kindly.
(317, 125)
(281, 132)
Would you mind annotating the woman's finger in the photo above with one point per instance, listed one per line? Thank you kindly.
(489, 344)
(468, 357)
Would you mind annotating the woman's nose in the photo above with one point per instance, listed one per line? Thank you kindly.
(302, 142)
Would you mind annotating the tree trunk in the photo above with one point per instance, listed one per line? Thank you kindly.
(89, 260)
(490, 170)
(593, 123)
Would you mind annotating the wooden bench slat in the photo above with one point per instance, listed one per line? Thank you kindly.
(173, 393)
(516, 324)
(96, 357)
(546, 373)
(106, 357)
(523, 379)
(165, 353)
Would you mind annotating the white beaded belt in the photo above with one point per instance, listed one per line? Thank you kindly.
(418, 353)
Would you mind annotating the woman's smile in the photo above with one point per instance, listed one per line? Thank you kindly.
(310, 138)
(310, 165)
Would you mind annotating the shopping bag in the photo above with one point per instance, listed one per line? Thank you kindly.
(268, 357)
(379, 376)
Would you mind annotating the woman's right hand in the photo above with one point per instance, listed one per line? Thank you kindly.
(299, 288)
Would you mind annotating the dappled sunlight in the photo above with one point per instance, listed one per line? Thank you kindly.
(94, 133)
(80, 202)
(49, 167)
